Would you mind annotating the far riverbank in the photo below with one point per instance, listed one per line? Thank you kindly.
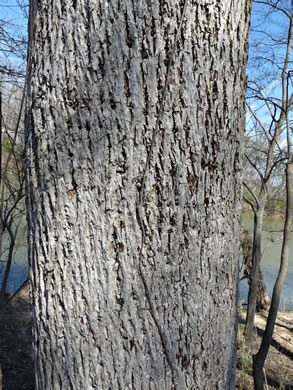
(271, 247)
(277, 213)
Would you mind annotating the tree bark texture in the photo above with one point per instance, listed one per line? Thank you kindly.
(134, 156)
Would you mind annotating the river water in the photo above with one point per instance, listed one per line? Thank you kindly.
(272, 244)
(19, 268)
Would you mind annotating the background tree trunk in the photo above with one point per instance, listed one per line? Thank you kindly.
(254, 275)
(262, 299)
(12, 236)
(267, 133)
(260, 357)
(134, 146)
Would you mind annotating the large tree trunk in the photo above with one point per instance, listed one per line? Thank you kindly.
(134, 144)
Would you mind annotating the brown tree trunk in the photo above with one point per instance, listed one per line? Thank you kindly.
(134, 144)
(255, 270)
(9, 262)
(262, 299)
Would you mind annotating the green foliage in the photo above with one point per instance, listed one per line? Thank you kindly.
(276, 206)
(244, 357)
(273, 206)
(6, 144)
(283, 377)
(249, 197)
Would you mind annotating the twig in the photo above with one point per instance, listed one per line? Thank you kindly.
(264, 372)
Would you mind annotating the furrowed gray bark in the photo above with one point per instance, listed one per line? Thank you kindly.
(134, 143)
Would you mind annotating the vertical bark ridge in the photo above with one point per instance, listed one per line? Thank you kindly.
(141, 188)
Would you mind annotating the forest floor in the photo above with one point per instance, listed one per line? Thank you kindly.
(16, 357)
(279, 362)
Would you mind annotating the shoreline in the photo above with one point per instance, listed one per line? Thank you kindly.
(280, 216)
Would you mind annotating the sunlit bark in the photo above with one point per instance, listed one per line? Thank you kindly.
(134, 146)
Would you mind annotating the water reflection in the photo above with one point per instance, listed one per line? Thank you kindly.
(272, 244)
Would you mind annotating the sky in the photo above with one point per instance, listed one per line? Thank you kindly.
(268, 31)
(10, 10)
(13, 22)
